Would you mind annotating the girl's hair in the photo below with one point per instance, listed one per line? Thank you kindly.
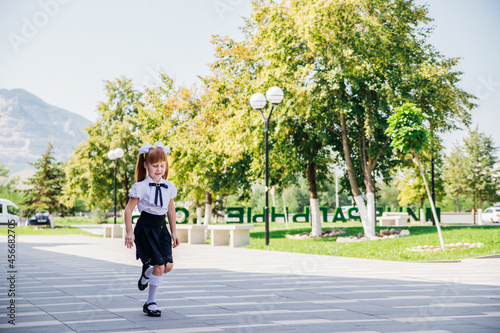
(154, 155)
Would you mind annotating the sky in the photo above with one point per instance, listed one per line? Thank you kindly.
(63, 50)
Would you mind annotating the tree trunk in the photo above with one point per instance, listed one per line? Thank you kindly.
(422, 215)
(198, 213)
(480, 211)
(474, 209)
(314, 202)
(208, 212)
(51, 219)
(370, 199)
(457, 203)
(433, 208)
(422, 211)
(356, 193)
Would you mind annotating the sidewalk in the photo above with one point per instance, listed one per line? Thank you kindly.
(89, 284)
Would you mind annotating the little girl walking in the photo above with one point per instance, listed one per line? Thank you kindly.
(154, 197)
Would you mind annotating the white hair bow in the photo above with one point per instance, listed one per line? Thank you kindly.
(147, 146)
(162, 146)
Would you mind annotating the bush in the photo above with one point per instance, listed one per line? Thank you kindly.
(98, 216)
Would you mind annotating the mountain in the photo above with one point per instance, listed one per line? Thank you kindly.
(28, 124)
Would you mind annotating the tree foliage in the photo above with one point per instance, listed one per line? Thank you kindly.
(45, 185)
(344, 66)
(190, 121)
(8, 187)
(89, 172)
(406, 126)
(469, 169)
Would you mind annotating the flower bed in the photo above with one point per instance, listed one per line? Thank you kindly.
(383, 234)
(326, 233)
(451, 246)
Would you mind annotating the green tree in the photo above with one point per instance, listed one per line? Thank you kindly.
(89, 172)
(45, 186)
(4, 172)
(409, 135)
(455, 174)
(388, 195)
(298, 141)
(411, 184)
(469, 169)
(189, 121)
(343, 65)
(8, 186)
(483, 181)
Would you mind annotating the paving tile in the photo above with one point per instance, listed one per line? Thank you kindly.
(96, 325)
(222, 289)
(160, 324)
(36, 327)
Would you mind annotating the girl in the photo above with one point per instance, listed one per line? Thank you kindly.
(154, 196)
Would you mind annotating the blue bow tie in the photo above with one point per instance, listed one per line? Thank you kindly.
(158, 192)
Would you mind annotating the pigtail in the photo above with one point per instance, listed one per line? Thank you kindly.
(140, 170)
(165, 175)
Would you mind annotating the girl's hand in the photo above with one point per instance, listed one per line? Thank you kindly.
(129, 240)
(175, 240)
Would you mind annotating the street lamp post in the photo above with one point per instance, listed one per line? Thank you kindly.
(114, 155)
(258, 101)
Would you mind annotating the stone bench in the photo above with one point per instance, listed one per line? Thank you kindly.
(114, 230)
(233, 235)
(393, 219)
(117, 230)
(191, 233)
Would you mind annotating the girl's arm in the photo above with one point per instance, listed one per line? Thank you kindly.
(129, 238)
(172, 222)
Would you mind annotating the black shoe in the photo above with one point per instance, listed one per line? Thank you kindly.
(139, 284)
(151, 313)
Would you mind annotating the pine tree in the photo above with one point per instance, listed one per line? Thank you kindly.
(45, 184)
(482, 182)
(469, 169)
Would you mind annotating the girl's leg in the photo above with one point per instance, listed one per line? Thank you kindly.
(155, 281)
(147, 274)
(168, 267)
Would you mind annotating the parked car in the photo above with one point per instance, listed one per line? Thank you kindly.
(39, 219)
(8, 212)
(491, 214)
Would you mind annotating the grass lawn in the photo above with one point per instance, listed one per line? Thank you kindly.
(62, 227)
(389, 249)
(41, 231)
(69, 221)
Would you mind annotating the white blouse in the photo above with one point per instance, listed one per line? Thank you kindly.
(147, 194)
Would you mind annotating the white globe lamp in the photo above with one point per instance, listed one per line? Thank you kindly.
(258, 101)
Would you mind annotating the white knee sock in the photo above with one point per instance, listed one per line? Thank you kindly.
(154, 283)
(147, 274)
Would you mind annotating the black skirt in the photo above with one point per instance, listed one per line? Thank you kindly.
(153, 242)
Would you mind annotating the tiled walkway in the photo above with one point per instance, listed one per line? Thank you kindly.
(89, 284)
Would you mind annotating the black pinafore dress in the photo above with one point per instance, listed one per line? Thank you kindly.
(152, 240)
